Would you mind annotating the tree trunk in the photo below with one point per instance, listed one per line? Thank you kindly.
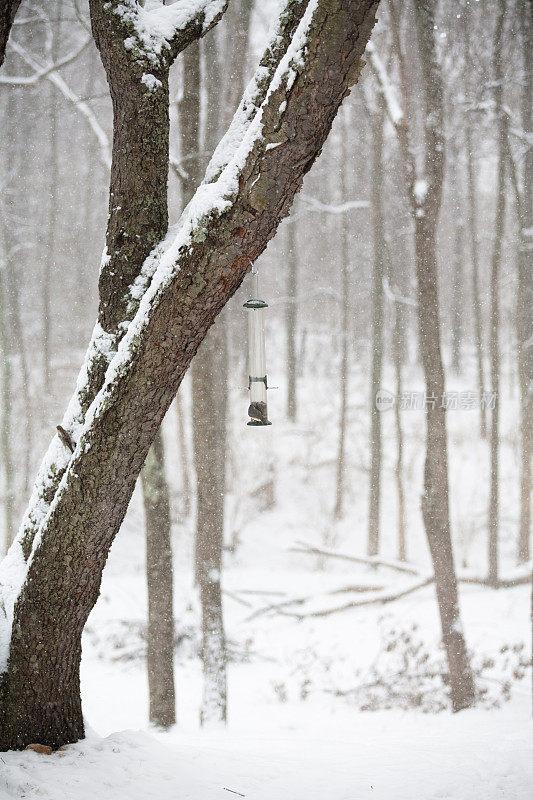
(53, 209)
(291, 317)
(11, 291)
(435, 506)
(184, 457)
(435, 502)
(8, 499)
(524, 314)
(345, 321)
(399, 332)
(474, 243)
(209, 392)
(378, 273)
(209, 399)
(49, 599)
(458, 258)
(160, 629)
(499, 223)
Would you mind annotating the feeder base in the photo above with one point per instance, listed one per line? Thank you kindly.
(255, 423)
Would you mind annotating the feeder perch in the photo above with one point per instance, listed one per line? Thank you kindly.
(257, 380)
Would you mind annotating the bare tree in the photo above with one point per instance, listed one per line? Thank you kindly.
(344, 331)
(499, 224)
(473, 223)
(523, 193)
(378, 276)
(424, 191)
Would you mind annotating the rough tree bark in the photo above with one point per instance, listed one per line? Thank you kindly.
(52, 580)
(494, 347)
(160, 628)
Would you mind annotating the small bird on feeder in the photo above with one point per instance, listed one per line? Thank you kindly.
(258, 412)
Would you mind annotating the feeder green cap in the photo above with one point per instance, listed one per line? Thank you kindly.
(255, 304)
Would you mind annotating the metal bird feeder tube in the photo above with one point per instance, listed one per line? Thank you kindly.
(257, 378)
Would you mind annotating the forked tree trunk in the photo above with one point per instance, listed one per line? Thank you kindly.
(378, 273)
(51, 598)
(499, 223)
(160, 628)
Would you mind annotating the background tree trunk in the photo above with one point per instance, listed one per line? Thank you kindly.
(499, 225)
(344, 334)
(378, 274)
(8, 498)
(473, 232)
(524, 314)
(435, 503)
(291, 314)
(160, 628)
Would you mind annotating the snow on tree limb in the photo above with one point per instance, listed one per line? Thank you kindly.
(194, 272)
(158, 31)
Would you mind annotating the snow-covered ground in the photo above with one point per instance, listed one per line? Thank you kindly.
(296, 727)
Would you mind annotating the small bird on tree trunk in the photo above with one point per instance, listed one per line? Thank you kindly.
(65, 438)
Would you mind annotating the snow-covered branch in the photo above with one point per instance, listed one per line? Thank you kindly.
(158, 31)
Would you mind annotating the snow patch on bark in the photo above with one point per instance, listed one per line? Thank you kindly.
(156, 24)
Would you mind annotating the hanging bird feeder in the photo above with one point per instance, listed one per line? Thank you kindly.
(257, 378)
